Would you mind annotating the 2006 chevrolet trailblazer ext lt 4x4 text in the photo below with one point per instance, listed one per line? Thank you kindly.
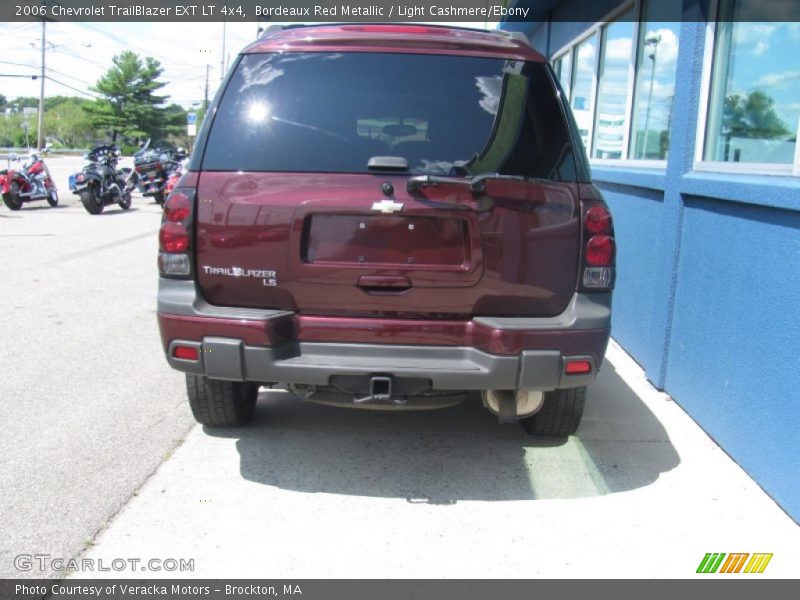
(388, 216)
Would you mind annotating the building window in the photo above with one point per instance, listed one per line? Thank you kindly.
(563, 69)
(754, 105)
(622, 100)
(582, 96)
(611, 120)
(657, 61)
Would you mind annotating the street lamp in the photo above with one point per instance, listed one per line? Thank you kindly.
(654, 41)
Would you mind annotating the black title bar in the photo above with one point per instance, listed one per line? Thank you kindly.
(318, 11)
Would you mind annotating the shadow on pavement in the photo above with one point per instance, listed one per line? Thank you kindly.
(110, 212)
(454, 454)
(43, 206)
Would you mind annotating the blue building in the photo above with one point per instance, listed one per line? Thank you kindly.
(690, 116)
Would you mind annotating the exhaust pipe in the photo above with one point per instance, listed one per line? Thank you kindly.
(509, 405)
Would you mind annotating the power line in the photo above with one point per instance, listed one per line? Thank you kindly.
(17, 26)
(145, 51)
(52, 70)
(74, 89)
(8, 62)
(17, 37)
(84, 59)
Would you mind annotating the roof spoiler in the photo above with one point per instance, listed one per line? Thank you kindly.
(275, 28)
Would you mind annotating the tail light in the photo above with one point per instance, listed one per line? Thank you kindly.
(175, 235)
(599, 247)
(600, 250)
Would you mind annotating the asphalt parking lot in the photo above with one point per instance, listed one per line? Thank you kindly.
(88, 410)
(101, 460)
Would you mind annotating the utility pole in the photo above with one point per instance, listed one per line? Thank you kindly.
(224, 34)
(653, 41)
(205, 99)
(40, 131)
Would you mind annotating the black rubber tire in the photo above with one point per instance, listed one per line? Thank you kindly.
(91, 201)
(11, 199)
(159, 198)
(125, 203)
(52, 198)
(560, 414)
(221, 403)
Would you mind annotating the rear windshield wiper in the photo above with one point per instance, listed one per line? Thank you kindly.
(476, 184)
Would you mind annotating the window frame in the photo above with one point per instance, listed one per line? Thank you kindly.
(598, 30)
(707, 74)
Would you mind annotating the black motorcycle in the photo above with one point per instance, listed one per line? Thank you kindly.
(101, 183)
(153, 165)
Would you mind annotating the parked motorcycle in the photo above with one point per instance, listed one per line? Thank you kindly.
(154, 165)
(101, 183)
(31, 182)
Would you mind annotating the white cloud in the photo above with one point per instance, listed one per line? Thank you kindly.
(586, 52)
(666, 49)
(618, 49)
(776, 79)
(663, 91)
(760, 48)
(751, 33)
(491, 88)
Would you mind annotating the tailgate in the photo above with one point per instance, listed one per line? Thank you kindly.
(336, 245)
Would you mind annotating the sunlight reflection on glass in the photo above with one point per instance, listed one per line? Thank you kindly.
(257, 112)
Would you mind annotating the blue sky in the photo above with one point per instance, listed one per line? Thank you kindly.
(766, 58)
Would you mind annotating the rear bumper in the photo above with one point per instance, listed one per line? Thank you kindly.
(480, 354)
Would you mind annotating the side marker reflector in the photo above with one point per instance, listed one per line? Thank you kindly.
(578, 367)
(185, 353)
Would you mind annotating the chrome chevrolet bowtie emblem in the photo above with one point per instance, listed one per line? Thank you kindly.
(387, 206)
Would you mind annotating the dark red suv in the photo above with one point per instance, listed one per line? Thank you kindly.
(386, 216)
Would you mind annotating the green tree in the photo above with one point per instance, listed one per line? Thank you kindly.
(67, 124)
(129, 106)
(752, 116)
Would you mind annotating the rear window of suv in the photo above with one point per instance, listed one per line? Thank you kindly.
(446, 115)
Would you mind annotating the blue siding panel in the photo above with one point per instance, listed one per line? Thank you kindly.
(637, 217)
(708, 288)
(734, 364)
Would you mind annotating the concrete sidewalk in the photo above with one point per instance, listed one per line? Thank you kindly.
(313, 492)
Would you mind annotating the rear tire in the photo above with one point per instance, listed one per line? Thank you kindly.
(159, 198)
(125, 203)
(52, 198)
(91, 201)
(11, 198)
(221, 403)
(560, 414)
